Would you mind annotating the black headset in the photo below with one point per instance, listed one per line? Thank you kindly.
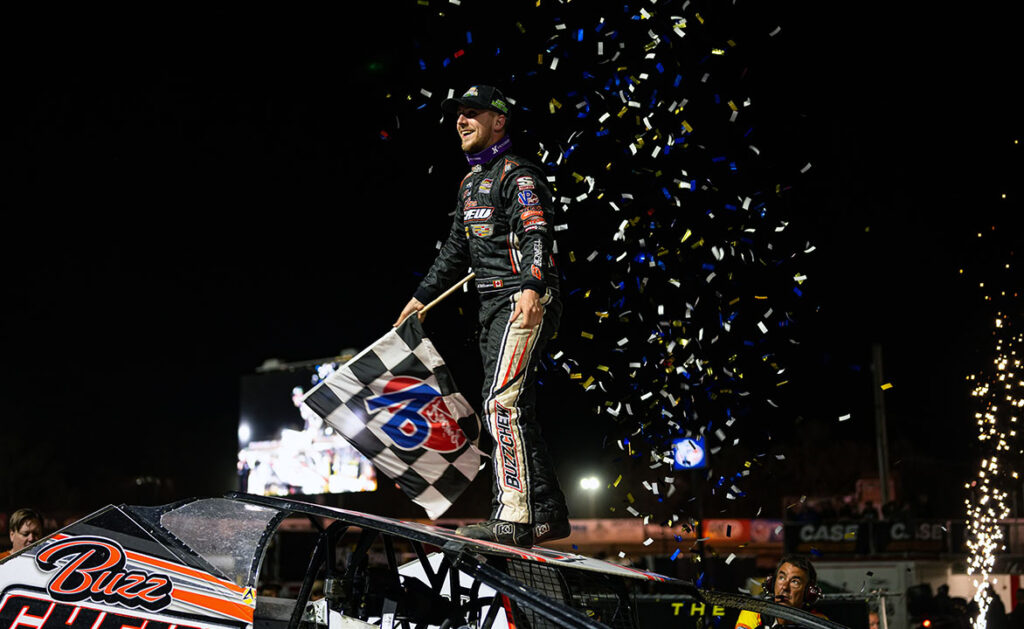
(813, 591)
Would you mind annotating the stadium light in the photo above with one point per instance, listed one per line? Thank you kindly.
(590, 483)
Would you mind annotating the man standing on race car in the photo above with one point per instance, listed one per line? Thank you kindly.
(794, 584)
(503, 231)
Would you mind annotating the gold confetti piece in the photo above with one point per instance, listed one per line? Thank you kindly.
(540, 60)
(602, 368)
(760, 296)
(589, 381)
(587, 335)
(717, 51)
(623, 112)
(572, 256)
(686, 125)
(734, 301)
(617, 480)
(700, 19)
(886, 386)
(732, 106)
(630, 497)
(686, 235)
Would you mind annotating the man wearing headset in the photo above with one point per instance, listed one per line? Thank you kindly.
(794, 584)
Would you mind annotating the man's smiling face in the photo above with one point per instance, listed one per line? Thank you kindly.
(478, 128)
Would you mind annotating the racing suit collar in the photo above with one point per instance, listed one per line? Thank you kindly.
(490, 152)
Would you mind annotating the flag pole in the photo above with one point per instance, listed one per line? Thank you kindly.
(419, 313)
(451, 290)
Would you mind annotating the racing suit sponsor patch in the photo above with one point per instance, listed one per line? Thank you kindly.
(531, 214)
(531, 224)
(510, 474)
(485, 186)
(538, 254)
(528, 197)
(524, 183)
(475, 214)
(482, 231)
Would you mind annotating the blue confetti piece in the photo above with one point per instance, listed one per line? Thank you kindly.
(679, 79)
(668, 195)
(446, 62)
(423, 65)
(730, 207)
(674, 555)
(469, 37)
(579, 35)
(796, 289)
(661, 68)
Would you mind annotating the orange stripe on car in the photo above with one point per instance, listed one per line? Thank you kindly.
(189, 572)
(212, 603)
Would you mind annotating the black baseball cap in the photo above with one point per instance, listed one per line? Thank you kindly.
(481, 97)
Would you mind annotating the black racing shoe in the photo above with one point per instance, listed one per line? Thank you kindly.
(548, 531)
(500, 531)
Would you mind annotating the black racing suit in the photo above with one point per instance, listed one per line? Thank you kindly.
(503, 229)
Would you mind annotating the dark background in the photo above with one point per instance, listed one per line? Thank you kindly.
(189, 195)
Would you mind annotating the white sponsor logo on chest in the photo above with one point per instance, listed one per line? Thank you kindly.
(477, 214)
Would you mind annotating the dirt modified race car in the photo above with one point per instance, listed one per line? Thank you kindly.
(196, 564)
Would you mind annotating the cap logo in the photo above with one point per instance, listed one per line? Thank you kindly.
(499, 105)
(471, 92)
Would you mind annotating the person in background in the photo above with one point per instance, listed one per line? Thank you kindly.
(793, 584)
(26, 527)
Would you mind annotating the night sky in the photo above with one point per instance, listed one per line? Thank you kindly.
(191, 195)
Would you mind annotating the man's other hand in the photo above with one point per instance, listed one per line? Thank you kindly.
(414, 305)
(530, 308)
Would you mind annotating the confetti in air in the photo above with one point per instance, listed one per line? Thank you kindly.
(682, 278)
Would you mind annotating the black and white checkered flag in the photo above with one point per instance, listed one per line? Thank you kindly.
(397, 404)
